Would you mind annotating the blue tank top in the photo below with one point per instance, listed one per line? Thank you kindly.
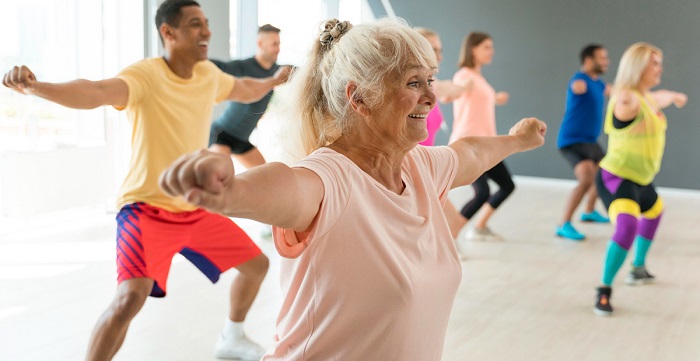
(583, 118)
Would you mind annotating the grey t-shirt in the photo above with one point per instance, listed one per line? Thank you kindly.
(239, 120)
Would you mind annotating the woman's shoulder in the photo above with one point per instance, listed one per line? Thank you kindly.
(465, 73)
(428, 156)
(464, 76)
(626, 97)
(626, 102)
(330, 164)
(323, 155)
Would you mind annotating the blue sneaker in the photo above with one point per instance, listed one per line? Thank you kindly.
(568, 231)
(594, 217)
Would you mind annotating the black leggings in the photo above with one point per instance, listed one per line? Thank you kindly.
(482, 193)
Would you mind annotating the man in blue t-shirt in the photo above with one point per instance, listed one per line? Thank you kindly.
(578, 136)
(231, 131)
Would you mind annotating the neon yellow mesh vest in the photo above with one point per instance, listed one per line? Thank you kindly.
(635, 151)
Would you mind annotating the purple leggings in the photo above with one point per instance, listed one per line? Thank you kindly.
(611, 188)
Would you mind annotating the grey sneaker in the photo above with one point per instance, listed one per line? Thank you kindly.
(639, 276)
(482, 234)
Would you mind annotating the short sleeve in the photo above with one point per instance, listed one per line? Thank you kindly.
(226, 83)
(575, 77)
(461, 77)
(337, 184)
(234, 67)
(138, 78)
(441, 164)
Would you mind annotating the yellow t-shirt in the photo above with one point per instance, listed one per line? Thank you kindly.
(635, 151)
(170, 116)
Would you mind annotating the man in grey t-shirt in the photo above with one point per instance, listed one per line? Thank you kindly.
(231, 131)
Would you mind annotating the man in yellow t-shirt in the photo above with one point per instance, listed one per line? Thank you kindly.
(168, 101)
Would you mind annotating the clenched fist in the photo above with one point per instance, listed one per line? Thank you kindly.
(530, 132)
(20, 79)
(203, 178)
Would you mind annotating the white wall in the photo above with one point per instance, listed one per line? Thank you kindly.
(39, 182)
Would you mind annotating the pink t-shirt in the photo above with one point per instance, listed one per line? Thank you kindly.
(434, 121)
(376, 276)
(474, 111)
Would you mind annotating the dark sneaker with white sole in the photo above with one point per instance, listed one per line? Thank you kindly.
(602, 305)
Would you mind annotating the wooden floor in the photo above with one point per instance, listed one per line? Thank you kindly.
(527, 298)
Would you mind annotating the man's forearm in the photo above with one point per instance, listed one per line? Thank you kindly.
(252, 90)
(76, 94)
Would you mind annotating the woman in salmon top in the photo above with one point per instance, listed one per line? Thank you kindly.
(475, 115)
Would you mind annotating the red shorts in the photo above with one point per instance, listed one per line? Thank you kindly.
(148, 237)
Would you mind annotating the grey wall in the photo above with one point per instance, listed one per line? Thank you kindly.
(217, 12)
(537, 44)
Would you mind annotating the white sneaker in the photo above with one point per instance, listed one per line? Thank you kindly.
(482, 234)
(239, 348)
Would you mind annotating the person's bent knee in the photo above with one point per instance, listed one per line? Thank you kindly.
(586, 179)
(256, 267)
(625, 231)
(508, 188)
(127, 303)
(481, 194)
(262, 264)
(220, 148)
(585, 172)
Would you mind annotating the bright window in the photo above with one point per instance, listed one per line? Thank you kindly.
(299, 24)
(233, 29)
(63, 42)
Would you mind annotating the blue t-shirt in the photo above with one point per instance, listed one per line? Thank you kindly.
(583, 118)
(238, 119)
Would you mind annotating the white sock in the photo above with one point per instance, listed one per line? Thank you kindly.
(233, 330)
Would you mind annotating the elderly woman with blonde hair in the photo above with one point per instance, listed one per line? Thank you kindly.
(369, 269)
(636, 129)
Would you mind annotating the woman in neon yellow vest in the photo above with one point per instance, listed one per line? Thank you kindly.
(636, 129)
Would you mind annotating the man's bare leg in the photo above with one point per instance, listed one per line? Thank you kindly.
(246, 286)
(251, 158)
(592, 198)
(584, 172)
(110, 330)
(220, 148)
(233, 343)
